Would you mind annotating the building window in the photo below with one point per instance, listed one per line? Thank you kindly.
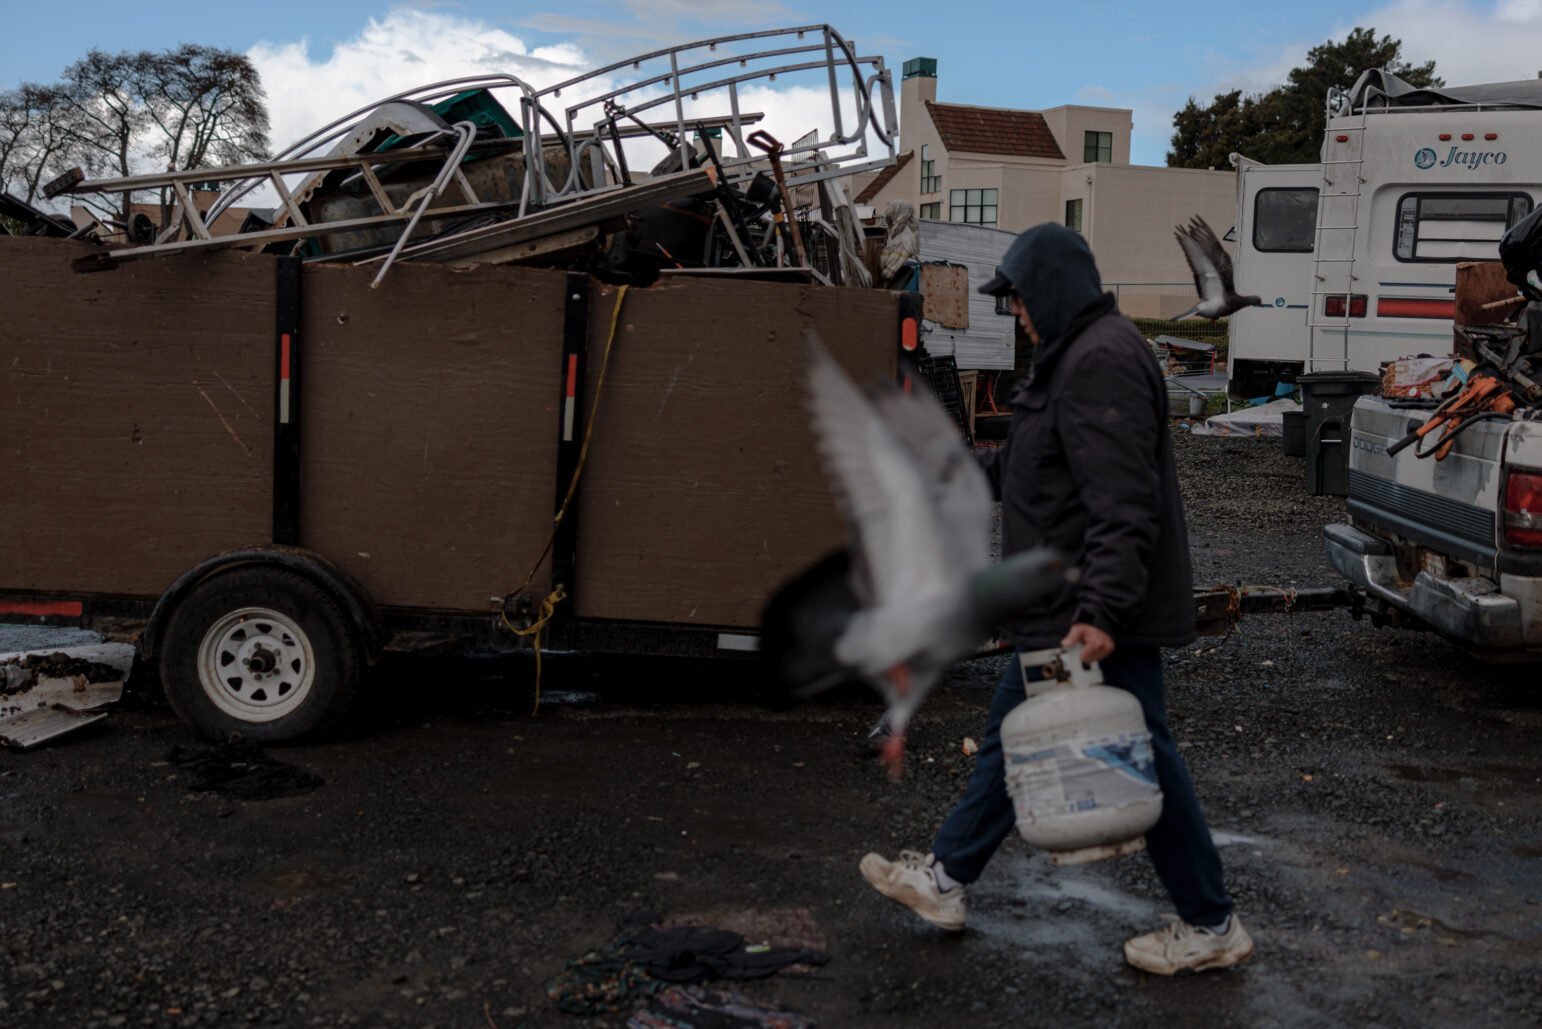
(1098, 147)
(930, 182)
(1073, 214)
(1285, 220)
(975, 206)
(1455, 226)
(932, 212)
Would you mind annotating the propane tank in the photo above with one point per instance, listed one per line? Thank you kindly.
(1078, 762)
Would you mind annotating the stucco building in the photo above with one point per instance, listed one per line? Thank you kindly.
(1012, 168)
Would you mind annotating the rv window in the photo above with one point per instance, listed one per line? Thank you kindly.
(1455, 226)
(1284, 220)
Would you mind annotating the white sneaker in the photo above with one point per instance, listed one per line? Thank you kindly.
(1181, 947)
(911, 882)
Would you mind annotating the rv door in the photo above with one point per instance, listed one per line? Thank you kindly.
(1272, 259)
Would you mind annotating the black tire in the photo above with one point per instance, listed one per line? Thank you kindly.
(321, 630)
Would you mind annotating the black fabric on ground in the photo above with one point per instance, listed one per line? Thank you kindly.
(239, 769)
(696, 953)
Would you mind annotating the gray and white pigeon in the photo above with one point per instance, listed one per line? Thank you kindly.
(1211, 266)
(918, 510)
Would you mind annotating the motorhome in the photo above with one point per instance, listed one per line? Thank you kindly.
(1354, 258)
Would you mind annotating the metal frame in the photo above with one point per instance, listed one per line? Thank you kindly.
(590, 131)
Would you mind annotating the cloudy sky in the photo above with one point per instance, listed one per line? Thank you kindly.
(322, 58)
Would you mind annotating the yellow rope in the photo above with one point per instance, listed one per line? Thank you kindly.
(559, 593)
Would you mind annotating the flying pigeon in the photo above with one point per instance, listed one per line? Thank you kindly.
(1212, 273)
(916, 589)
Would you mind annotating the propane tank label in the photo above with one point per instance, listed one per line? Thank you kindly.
(1083, 775)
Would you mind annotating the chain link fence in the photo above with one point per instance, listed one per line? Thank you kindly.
(1153, 306)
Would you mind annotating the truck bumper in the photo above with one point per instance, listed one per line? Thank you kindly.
(1471, 610)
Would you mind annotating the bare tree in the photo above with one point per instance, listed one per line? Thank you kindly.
(37, 138)
(116, 115)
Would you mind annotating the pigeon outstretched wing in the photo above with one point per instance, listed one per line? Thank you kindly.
(1208, 280)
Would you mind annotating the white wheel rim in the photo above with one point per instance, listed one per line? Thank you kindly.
(256, 665)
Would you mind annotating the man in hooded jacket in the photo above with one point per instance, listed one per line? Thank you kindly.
(1088, 469)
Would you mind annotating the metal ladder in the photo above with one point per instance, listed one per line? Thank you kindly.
(1338, 218)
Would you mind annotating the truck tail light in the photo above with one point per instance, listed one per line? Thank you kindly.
(1333, 307)
(1523, 510)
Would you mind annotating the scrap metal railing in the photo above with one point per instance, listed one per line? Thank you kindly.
(591, 135)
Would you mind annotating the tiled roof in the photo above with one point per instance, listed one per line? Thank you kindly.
(884, 178)
(989, 130)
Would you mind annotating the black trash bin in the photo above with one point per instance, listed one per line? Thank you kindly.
(1295, 434)
(1328, 399)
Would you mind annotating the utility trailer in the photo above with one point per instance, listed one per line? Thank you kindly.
(267, 474)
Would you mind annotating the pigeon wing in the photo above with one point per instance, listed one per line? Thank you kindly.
(879, 487)
(1207, 278)
(958, 486)
(1213, 249)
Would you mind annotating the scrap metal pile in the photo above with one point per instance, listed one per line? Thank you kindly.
(490, 169)
(1497, 372)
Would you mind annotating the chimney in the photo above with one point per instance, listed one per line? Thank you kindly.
(918, 85)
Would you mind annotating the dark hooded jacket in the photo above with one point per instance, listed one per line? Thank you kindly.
(1088, 465)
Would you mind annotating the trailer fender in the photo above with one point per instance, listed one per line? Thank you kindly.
(349, 593)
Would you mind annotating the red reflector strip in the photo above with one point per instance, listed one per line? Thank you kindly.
(910, 337)
(1491, 135)
(1467, 135)
(570, 405)
(283, 357)
(66, 608)
(572, 387)
(1445, 136)
(1406, 307)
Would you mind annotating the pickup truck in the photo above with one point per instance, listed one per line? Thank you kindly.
(1451, 545)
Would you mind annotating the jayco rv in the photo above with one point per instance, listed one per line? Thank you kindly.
(1354, 258)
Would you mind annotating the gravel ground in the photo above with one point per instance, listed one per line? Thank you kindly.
(1376, 794)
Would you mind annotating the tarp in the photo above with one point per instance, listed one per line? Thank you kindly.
(1380, 88)
(1263, 421)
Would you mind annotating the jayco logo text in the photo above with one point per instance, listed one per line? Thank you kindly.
(1469, 159)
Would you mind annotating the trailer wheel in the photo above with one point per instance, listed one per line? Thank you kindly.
(263, 652)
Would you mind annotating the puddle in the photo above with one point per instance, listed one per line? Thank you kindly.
(1027, 903)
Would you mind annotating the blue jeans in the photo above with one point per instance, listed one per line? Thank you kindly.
(1179, 844)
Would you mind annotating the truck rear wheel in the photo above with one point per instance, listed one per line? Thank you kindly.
(263, 652)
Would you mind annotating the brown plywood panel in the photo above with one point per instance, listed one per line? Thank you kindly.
(703, 491)
(1479, 283)
(135, 416)
(945, 295)
(429, 430)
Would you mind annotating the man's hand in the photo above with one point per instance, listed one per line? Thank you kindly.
(1096, 644)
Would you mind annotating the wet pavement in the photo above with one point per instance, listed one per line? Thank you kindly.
(1376, 794)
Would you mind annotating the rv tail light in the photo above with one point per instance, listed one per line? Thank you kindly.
(1445, 137)
(1491, 135)
(1415, 307)
(1523, 510)
(1467, 135)
(1333, 307)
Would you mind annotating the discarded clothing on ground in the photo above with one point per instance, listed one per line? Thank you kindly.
(642, 959)
(240, 770)
(688, 954)
(693, 1007)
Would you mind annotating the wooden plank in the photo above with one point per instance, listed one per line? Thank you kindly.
(703, 491)
(135, 416)
(430, 428)
(945, 295)
(1478, 283)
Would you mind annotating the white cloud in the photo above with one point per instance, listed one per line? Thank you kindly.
(406, 48)
(1470, 43)
(412, 46)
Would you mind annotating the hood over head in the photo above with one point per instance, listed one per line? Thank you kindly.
(1051, 268)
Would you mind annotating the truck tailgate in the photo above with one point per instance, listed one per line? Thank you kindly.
(1446, 505)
